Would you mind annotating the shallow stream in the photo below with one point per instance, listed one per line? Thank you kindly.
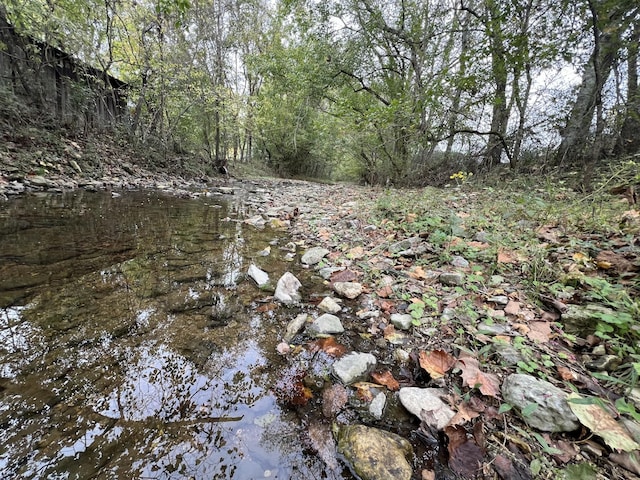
(133, 346)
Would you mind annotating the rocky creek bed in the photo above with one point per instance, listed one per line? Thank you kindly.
(418, 359)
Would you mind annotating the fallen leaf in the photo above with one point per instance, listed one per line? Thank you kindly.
(465, 456)
(363, 391)
(463, 414)
(628, 460)
(547, 233)
(417, 273)
(329, 346)
(601, 423)
(507, 470)
(385, 292)
(283, 348)
(487, 383)
(566, 374)
(539, 331)
(355, 253)
(266, 307)
(609, 260)
(436, 362)
(344, 276)
(512, 307)
(386, 378)
(334, 399)
(507, 256)
(478, 245)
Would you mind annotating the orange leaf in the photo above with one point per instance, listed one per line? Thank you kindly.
(386, 378)
(512, 308)
(487, 383)
(566, 374)
(437, 362)
(385, 292)
(329, 346)
(418, 273)
(506, 256)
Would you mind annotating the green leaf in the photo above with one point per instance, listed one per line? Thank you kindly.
(504, 408)
(529, 409)
(545, 446)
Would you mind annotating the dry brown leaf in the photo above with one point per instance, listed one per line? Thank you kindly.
(355, 253)
(386, 378)
(436, 362)
(465, 456)
(547, 233)
(363, 391)
(487, 383)
(417, 273)
(464, 414)
(566, 373)
(628, 460)
(329, 346)
(609, 260)
(344, 276)
(539, 331)
(333, 399)
(478, 245)
(507, 256)
(512, 307)
(385, 292)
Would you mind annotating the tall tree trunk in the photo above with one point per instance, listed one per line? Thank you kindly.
(500, 110)
(629, 141)
(596, 71)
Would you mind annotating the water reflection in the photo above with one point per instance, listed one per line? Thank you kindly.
(128, 348)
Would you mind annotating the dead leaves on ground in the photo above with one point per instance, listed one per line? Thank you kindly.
(437, 362)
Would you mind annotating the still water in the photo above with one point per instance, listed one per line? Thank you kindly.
(133, 346)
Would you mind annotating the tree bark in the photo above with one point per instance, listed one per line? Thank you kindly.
(629, 141)
(607, 42)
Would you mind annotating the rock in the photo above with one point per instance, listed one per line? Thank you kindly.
(376, 408)
(552, 413)
(374, 454)
(369, 228)
(287, 289)
(326, 324)
(353, 367)
(294, 326)
(257, 221)
(492, 329)
(75, 166)
(459, 262)
(508, 353)
(405, 244)
(37, 181)
(482, 236)
(427, 405)
(348, 289)
(329, 305)
(402, 321)
(326, 272)
(498, 299)
(604, 363)
(259, 276)
(583, 320)
(452, 278)
(314, 255)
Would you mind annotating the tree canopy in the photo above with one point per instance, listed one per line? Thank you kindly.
(401, 90)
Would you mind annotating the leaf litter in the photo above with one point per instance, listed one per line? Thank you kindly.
(570, 262)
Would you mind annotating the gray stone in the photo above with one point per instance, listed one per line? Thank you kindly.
(492, 329)
(452, 278)
(326, 272)
(482, 236)
(37, 181)
(583, 320)
(369, 228)
(499, 299)
(287, 289)
(509, 354)
(326, 324)
(552, 413)
(402, 321)
(376, 407)
(294, 326)
(257, 221)
(405, 244)
(459, 262)
(348, 289)
(259, 276)
(427, 404)
(314, 255)
(374, 454)
(604, 363)
(353, 367)
(329, 305)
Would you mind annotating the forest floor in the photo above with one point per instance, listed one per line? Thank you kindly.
(529, 278)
